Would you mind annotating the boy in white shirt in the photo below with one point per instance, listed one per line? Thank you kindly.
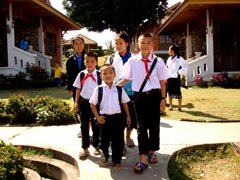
(110, 116)
(85, 83)
(150, 98)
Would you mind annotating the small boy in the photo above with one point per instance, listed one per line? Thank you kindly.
(110, 118)
(57, 75)
(85, 83)
(149, 100)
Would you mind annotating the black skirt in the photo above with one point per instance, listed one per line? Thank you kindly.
(174, 88)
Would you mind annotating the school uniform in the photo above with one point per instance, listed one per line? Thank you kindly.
(118, 62)
(177, 66)
(87, 85)
(112, 131)
(74, 65)
(148, 101)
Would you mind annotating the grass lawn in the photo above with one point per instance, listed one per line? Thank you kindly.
(219, 161)
(207, 104)
(199, 104)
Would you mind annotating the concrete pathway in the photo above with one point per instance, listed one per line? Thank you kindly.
(175, 135)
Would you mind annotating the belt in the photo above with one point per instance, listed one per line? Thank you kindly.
(81, 99)
(150, 91)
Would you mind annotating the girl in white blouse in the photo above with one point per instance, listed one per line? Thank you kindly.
(177, 66)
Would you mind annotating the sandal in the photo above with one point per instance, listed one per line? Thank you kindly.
(79, 134)
(96, 151)
(152, 158)
(117, 166)
(103, 162)
(179, 109)
(130, 143)
(83, 155)
(170, 109)
(140, 167)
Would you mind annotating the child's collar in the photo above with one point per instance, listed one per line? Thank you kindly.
(94, 71)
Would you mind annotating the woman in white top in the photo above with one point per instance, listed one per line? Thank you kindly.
(177, 66)
(118, 59)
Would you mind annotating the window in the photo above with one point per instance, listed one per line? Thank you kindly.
(165, 39)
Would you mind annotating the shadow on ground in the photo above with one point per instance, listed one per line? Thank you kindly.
(154, 171)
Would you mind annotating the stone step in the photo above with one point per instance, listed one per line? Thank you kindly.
(59, 166)
(53, 168)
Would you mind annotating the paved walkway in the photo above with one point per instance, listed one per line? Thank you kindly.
(174, 136)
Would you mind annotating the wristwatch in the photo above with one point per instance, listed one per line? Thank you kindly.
(163, 98)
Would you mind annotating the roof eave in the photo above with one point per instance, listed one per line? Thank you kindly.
(75, 25)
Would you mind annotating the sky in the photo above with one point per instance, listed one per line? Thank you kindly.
(102, 37)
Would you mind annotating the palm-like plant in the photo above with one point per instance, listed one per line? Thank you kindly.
(110, 47)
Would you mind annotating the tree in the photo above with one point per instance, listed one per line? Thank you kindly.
(118, 15)
(110, 46)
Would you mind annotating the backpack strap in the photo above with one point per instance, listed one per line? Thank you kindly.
(100, 94)
(82, 74)
(146, 78)
(119, 89)
(111, 58)
(99, 80)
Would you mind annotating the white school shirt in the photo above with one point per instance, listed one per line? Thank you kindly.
(174, 64)
(134, 69)
(110, 102)
(89, 84)
(117, 64)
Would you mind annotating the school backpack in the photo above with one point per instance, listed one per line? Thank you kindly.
(119, 89)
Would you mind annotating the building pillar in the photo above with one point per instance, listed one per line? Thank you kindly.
(10, 37)
(188, 42)
(61, 49)
(41, 37)
(209, 42)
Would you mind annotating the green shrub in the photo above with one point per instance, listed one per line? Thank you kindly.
(53, 111)
(42, 110)
(36, 72)
(11, 162)
(21, 107)
(4, 118)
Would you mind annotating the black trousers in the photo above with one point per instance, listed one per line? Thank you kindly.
(112, 131)
(132, 111)
(148, 120)
(87, 116)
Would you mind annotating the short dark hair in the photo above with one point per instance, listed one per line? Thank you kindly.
(106, 65)
(146, 35)
(176, 49)
(91, 54)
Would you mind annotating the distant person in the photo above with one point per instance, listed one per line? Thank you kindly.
(24, 43)
(118, 60)
(177, 66)
(85, 83)
(109, 116)
(57, 74)
(150, 98)
(74, 65)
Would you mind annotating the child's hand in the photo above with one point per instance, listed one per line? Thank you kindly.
(76, 107)
(162, 105)
(128, 120)
(70, 92)
(101, 119)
